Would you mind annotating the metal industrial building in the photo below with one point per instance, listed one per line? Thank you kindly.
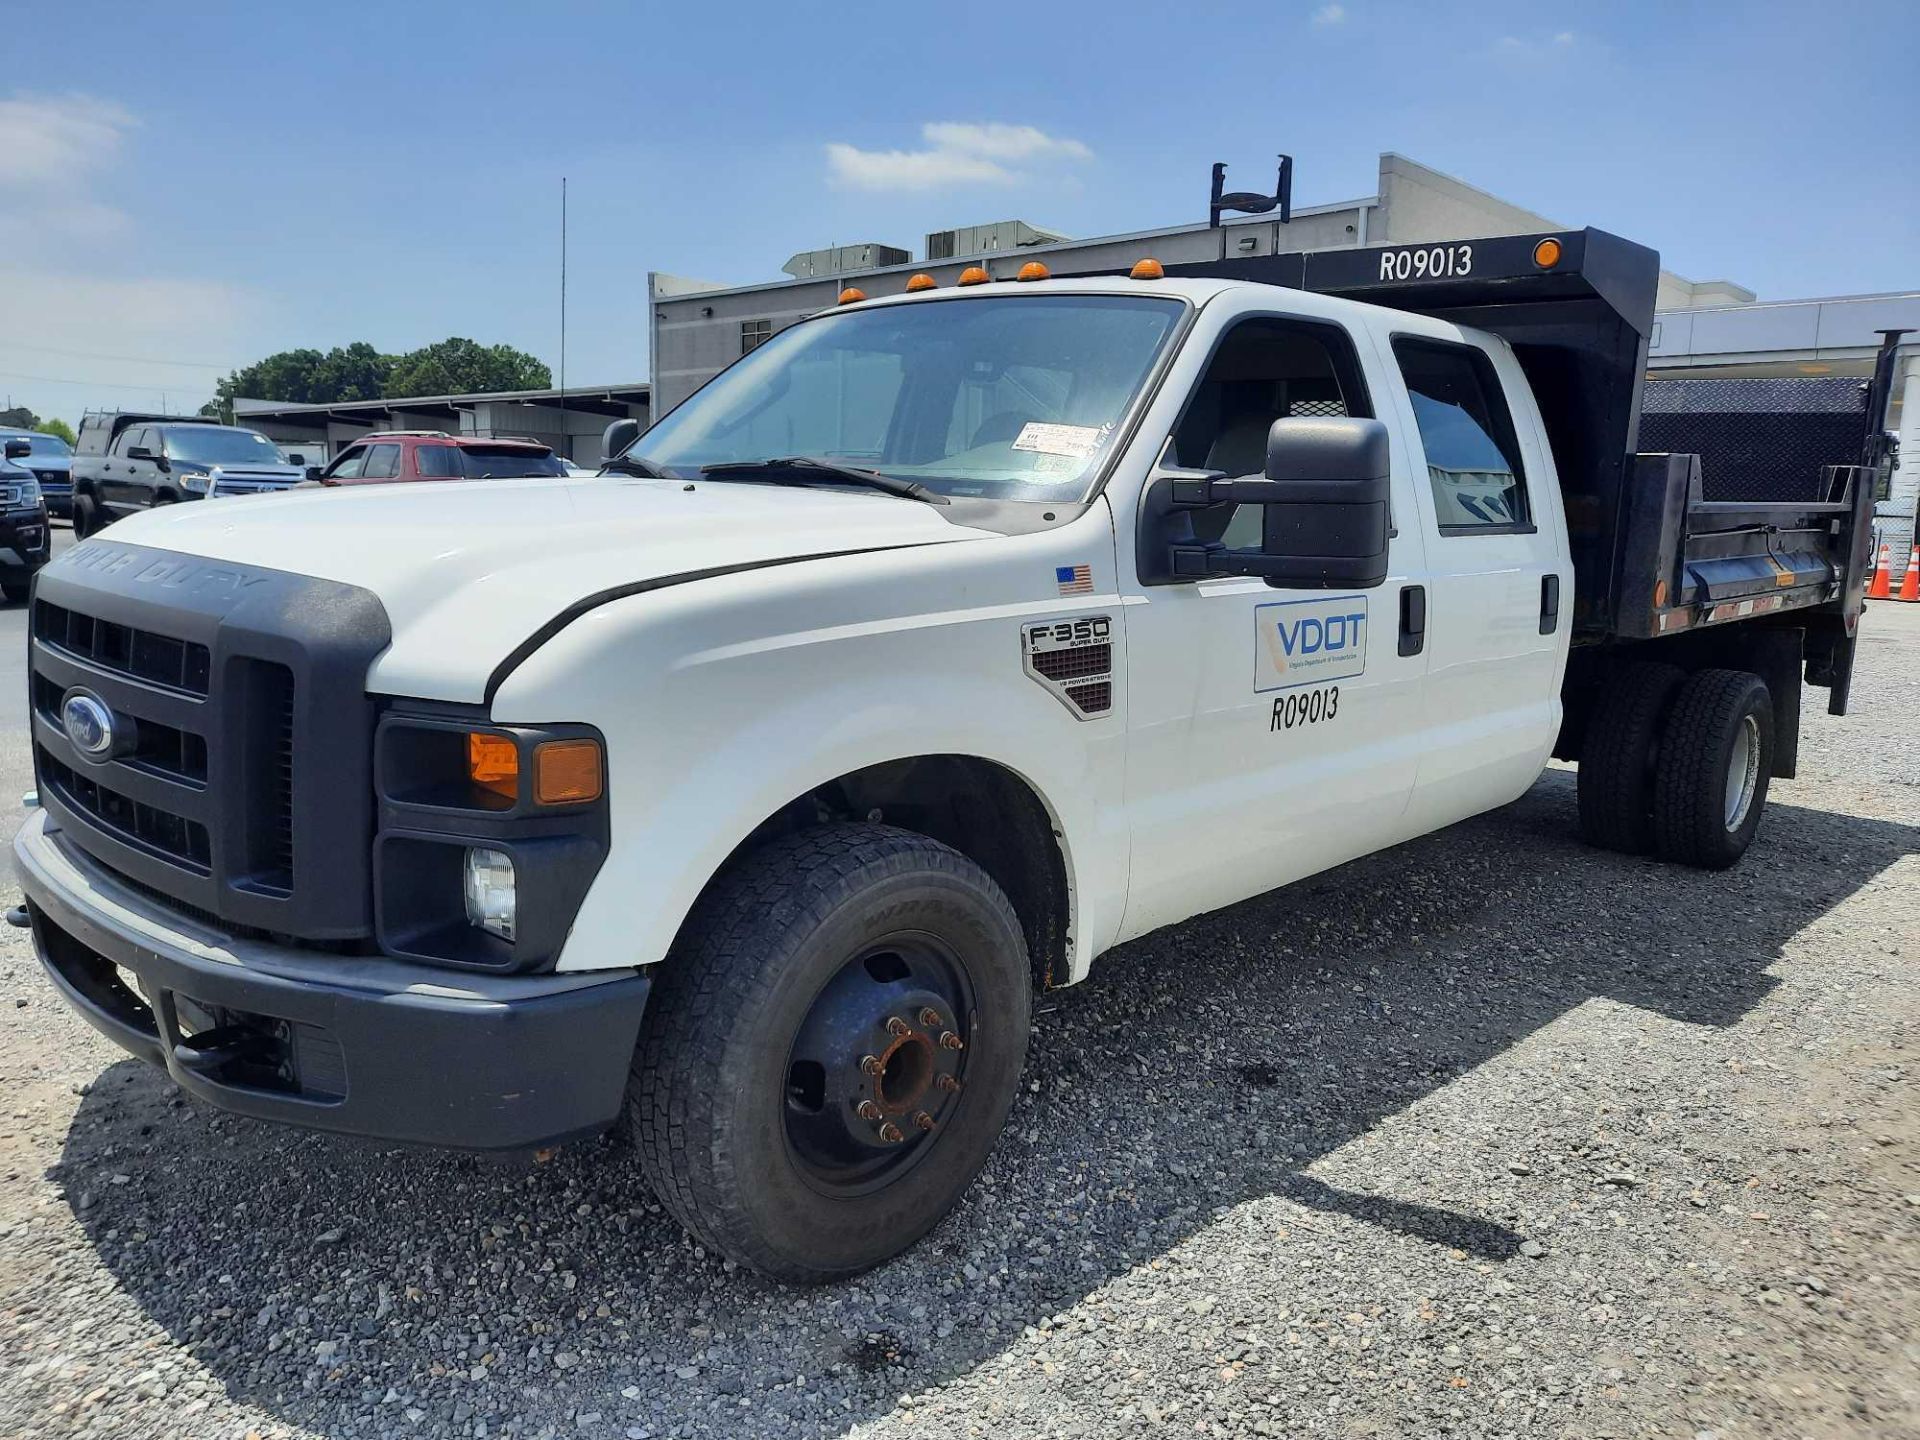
(1705, 329)
(571, 421)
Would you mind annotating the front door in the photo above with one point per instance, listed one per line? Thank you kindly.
(1272, 733)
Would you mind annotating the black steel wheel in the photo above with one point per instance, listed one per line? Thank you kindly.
(831, 1050)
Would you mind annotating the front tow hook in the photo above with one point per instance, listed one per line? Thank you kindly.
(215, 1049)
(19, 919)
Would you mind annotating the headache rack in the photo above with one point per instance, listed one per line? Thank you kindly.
(1651, 555)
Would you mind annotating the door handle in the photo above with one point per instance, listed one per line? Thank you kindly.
(1413, 619)
(1549, 604)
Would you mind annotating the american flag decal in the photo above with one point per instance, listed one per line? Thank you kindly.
(1074, 579)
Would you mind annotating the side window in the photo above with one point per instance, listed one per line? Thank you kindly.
(436, 462)
(130, 440)
(1473, 457)
(1265, 369)
(383, 462)
(349, 465)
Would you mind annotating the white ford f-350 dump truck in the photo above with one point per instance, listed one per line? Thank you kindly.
(746, 792)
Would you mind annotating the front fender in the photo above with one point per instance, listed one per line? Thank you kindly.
(712, 728)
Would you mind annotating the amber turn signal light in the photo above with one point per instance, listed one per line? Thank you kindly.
(566, 772)
(1547, 253)
(1032, 270)
(974, 275)
(921, 281)
(852, 294)
(1147, 269)
(493, 763)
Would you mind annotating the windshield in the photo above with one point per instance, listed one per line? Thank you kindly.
(1012, 397)
(216, 445)
(43, 444)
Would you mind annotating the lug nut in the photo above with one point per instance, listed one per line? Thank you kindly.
(870, 1064)
(948, 1084)
(890, 1133)
(869, 1110)
(897, 1026)
(923, 1120)
(951, 1041)
(929, 1016)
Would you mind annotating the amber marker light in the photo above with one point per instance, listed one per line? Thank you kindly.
(1032, 270)
(493, 763)
(921, 282)
(1147, 269)
(566, 772)
(974, 275)
(1547, 253)
(852, 294)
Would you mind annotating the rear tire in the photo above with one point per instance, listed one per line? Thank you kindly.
(1617, 758)
(1716, 756)
(749, 1087)
(16, 591)
(86, 517)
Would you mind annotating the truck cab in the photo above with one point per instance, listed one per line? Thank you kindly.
(945, 641)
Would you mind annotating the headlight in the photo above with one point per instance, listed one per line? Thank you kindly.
(489, 890)
(29, 492)
(197, 481)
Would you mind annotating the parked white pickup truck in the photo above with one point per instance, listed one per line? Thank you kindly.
(748, 790)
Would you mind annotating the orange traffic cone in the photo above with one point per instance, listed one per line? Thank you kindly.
(1910, 587)
(1880, 587)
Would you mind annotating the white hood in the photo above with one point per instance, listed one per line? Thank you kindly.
(497, 558)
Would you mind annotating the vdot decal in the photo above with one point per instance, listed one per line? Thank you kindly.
(1309, 642)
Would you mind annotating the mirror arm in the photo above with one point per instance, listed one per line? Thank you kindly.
(1218, 489)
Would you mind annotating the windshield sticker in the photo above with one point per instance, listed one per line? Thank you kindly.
(1057, 464)
(1309, 642)
(1076, 441)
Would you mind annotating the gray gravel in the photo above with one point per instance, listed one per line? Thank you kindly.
(1489, 1136)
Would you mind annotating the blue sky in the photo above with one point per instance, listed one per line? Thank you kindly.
(184, 188)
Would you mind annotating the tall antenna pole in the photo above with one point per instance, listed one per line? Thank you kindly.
(566, 438)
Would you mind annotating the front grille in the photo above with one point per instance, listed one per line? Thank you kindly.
(148, 827)
(238, 784)
(177, 664)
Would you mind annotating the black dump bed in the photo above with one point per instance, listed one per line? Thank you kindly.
(1652, 555)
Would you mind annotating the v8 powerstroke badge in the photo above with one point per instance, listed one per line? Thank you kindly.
(1309, 642)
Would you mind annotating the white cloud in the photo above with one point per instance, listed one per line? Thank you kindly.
(957, 154)
(1328, 15)
(58, 140)
(1524, 48)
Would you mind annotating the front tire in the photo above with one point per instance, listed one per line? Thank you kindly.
(1716, 756)
(16, 591)
(831, 1050)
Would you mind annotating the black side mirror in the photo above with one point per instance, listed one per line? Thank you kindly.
(313, 472)
(1324, 500)
(19, 449)
(617, 437)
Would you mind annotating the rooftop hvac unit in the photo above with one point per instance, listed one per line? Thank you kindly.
(990, 239)
(840, 259)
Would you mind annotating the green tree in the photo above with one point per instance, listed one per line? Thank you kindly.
(57, 427)
(457, 365)
(305, 377)
(19, 418)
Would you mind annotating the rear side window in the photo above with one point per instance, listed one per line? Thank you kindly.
(436, 462)
(383, 462)
(1473, 457)
(488, 462)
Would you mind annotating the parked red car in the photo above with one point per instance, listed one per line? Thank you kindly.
(391, 455)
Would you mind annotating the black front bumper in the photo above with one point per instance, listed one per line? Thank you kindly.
(369, 1047)
(25, 542)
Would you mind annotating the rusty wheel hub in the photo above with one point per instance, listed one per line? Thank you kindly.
(878, 1065)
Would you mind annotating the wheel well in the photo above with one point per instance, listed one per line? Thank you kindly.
(981, 809)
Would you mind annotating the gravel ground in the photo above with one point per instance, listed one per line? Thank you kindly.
(1489, 1136)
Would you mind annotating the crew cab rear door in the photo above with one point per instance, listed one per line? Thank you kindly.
(1271, 733)
(1501, 583)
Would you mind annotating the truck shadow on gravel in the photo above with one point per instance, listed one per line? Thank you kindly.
(344, 1287)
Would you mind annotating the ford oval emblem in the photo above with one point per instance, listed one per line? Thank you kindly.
(89, 725)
